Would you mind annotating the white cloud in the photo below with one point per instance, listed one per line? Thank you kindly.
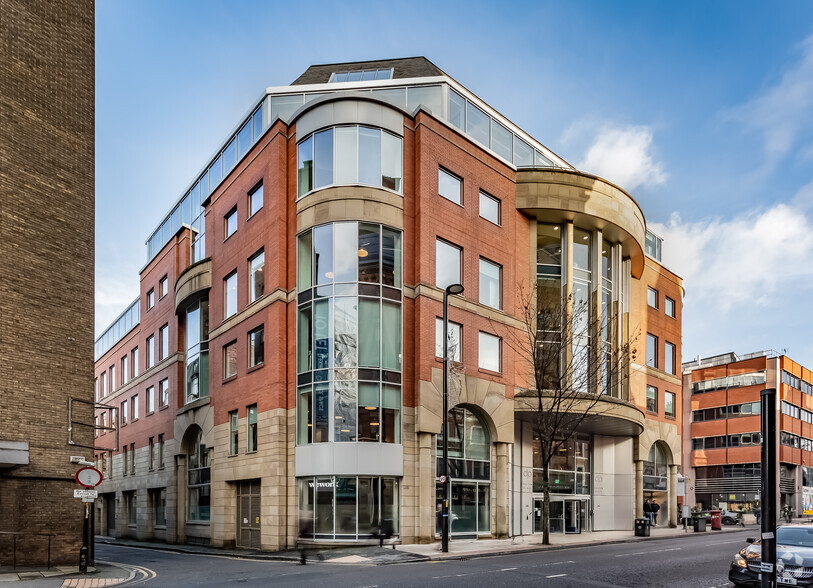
(623, 155)
(782, 112)
(748, 278)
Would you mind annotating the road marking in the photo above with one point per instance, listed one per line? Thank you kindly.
(506, 569)
(556, 576)
(646, 552)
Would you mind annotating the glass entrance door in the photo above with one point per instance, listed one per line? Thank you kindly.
(538, 506)
(572, 515)
(557, 516)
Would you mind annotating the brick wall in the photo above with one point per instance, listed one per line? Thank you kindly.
(46, 274)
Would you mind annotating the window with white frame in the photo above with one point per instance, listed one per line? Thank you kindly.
(448, 261)
(150, 399)
(163, 390)
(150, 351)
(124, 413)
(256, 347)
(163, 333)
(163, 287)
(230, 295)
(150, 298)
(489, 208)
(489, 352)
(134, 358)
(490, 283)
(256, 276)
(230, 360)
(669, 404)
(651, 350)
(255, 199)
(230, 223)
(134, 406)
(669, 357)
(652, 297)
(454, 339)
(113, 378)
(669, 307)
(450, 186)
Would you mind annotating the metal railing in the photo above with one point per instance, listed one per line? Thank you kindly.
(15, 534)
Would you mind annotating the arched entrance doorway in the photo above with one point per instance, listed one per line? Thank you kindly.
(656, 479)
(469, 487)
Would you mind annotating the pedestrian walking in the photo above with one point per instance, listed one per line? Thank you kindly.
(648, 511)
(655, 507)
(787, 513)
(757, 513)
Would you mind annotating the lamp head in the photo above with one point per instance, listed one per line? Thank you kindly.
(454, 289)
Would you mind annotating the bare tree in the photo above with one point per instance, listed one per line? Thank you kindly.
(576, 363)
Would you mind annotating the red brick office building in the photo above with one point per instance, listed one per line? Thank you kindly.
(280, 372)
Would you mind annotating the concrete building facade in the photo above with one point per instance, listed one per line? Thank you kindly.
(280, 372)
(46, 275)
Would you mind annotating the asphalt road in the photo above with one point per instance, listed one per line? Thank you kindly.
(696, 561)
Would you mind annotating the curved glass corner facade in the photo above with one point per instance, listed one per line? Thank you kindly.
(349, 155)
(591, 337)
(349, 339)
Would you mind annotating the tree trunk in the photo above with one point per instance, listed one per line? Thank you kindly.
(546, 504)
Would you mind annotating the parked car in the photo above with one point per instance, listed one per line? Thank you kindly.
(794, 559)
(731, 517)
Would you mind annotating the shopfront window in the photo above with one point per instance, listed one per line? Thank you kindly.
(569, 471)
(348, 507)
(349, 341)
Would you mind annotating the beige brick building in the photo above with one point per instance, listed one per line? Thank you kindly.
(46, 272)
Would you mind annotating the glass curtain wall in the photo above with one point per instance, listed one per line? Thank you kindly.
(349, 341)
(578, 336)
(197, 350)
(569, 468)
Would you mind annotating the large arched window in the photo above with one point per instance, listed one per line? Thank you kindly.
(656, 468)
(198, 478)
(469, 488)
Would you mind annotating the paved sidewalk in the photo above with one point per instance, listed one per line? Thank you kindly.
(101, 575)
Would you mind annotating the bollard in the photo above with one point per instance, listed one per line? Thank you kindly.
(83, 559)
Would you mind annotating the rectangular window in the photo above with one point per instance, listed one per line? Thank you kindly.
(489, 352)
(455, 349)
(233, 433)
(669, 357)
(150, 298)
(450, 187)
(163, 390)
(669, 307)
(163, 287)
(490, 283)
(124, 413)
(652, 297)
(125, 369)
(255, 200)
(252, 429)
(489, 208)
(652, 399)
(230, 360)
(230, 295)
(256, 347)
(125, 460)
(161, 451)
(103, 383)
(134, 406)
(669, 404)
(651, 350)
(256, 276)
(152, 454)
(150, 351)
(130, 505)
(448, 260)
(132, 459)
(230, 223)
(134, 357)
(112, 378)
(150, 399)
(163, 334)
(159, 507)
(96, 386)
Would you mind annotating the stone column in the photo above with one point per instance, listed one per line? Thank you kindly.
(673, 509)
(639, 489)
(180, 509)
(502, 499)
(426, 481)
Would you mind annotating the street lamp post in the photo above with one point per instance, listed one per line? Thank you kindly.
(444, 527)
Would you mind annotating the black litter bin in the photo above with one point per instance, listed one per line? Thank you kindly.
(642, 527)
(699, 524)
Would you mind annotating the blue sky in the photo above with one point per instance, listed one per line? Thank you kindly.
(703, 111)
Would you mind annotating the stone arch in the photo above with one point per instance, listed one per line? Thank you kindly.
(664, 433)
